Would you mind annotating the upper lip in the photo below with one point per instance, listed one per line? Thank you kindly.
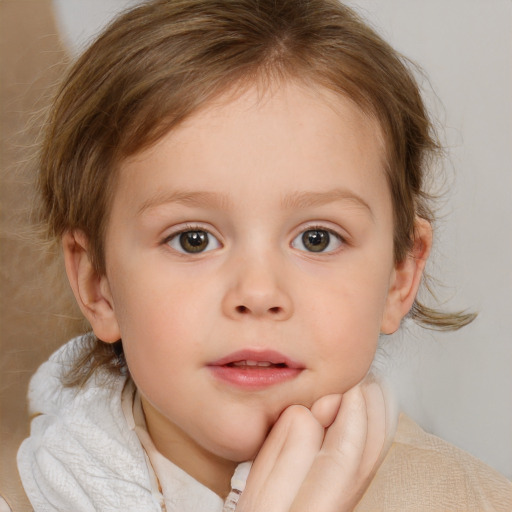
(270, 356)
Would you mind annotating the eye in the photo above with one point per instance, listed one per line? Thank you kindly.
(317, 240)
(193, 241)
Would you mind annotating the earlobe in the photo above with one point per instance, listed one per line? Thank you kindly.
(406, 278)
(91, 290)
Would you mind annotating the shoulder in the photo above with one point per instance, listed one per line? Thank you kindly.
(49, 396)
(81, 452)
(423, 472)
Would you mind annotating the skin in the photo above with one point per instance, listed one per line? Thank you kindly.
(256, 172)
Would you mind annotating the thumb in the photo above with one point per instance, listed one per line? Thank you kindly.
(325, 409)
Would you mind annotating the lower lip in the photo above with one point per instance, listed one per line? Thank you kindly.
(254, 378)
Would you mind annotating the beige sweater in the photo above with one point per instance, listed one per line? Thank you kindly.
(424, 473)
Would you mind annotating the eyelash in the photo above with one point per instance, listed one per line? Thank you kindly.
(316, 227)
(191, 229)
(212, 238)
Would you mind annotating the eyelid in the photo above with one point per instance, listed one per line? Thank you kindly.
(176, 232)
(320, 227)
(323, 226)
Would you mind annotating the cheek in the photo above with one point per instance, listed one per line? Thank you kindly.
(345, 322)
(154, 303)
(151, 333)
(347, 360)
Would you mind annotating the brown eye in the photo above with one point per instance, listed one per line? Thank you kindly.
(193, 241)
(317, 240)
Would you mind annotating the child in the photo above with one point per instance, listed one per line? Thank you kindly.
(238, 188)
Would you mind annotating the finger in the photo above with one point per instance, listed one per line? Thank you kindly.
(345, 439)
(380, 429)
(325, 409)
(284, 431)
(283, 462)
(333, 482)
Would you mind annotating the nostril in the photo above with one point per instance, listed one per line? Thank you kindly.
(244, 310)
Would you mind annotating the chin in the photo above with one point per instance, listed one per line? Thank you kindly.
(244, 452)
(239, 442)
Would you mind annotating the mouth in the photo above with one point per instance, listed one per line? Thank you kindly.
(256, 364)
(253, 370)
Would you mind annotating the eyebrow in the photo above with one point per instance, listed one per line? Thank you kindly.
(302, 200)
(185, 197)
(296, 200)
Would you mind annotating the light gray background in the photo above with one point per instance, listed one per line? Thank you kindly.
(458, 385)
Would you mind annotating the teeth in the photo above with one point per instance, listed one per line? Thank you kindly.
(264, 364)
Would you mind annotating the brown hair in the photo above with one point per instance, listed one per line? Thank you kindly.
(160, 62)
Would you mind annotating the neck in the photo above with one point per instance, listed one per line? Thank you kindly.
(173, 443)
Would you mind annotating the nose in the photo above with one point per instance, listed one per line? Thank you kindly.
(258, 289)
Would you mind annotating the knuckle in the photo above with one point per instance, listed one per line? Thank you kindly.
(300, 420)
(296, 414)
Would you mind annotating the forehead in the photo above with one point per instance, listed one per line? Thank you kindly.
(293, 136)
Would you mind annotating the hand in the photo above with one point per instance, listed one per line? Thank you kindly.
(321, 459)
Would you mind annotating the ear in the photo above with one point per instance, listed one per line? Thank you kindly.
(91, 290)
(406, 278)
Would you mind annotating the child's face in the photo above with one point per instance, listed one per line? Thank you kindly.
(259, 230)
